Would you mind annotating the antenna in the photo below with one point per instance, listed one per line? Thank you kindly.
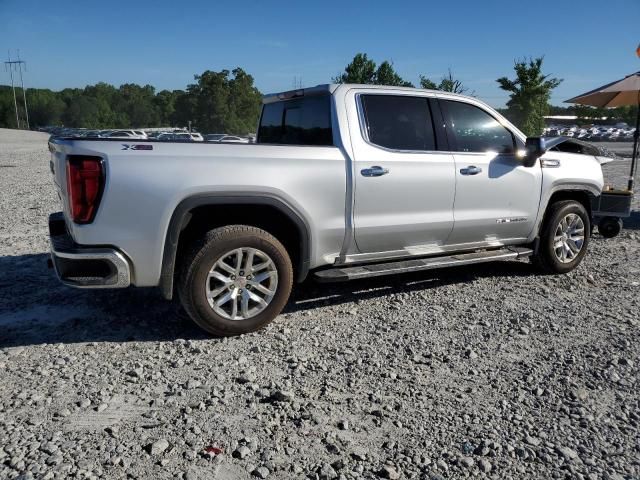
(18, 65)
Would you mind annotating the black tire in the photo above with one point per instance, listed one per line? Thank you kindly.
(546, 258)
(203, 255)
(610, 227)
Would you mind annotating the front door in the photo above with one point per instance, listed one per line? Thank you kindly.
(497, 197)
(404, 187)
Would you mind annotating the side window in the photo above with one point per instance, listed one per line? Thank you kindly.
(303, 121)
(399, 122)
(474, 130)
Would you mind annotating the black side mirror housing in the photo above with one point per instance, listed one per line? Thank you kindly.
(534, 149)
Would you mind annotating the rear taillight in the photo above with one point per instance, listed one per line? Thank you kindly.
(85, 182)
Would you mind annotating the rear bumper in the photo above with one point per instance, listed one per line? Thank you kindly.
(85, 267)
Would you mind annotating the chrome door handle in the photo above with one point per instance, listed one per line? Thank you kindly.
(470, 170)
(375, 171)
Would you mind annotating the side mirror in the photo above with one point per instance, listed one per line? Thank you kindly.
(534, 149)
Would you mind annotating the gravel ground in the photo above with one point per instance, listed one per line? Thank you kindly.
(487, 371)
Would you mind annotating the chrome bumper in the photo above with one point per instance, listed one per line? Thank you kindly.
(85, 267)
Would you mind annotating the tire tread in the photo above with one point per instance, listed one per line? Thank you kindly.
(195, 254)
(544, 259)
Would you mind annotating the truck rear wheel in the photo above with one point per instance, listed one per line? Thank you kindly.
(235, 279)
(564, 237)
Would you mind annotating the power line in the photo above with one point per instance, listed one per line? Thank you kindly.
(18, 65)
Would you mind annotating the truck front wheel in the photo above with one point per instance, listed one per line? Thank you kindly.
(235, 279)
(564, 237)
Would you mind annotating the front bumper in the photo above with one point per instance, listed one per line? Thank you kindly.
(85, 267)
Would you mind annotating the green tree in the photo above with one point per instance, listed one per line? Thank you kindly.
(184, 109)
(386, 75)
(225, 102)
(138, 104)
(447, 84)
(363, 70)
(587, 114)
(165, 102)
(217, 102)
(451, 84)
(7, 108)
(427, 83)
(45, 107)
(245, 102)
(529, 92)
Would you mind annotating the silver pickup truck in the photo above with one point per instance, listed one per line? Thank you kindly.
(343, 182)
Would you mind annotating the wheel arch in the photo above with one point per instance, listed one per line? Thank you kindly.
(580, 193)
(205, 211)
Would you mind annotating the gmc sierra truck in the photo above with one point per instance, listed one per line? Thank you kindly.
(343, 182)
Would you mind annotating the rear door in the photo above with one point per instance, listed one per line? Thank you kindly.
(497, 197)
(404, 187)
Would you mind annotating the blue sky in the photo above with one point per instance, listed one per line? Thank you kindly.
(164, 43)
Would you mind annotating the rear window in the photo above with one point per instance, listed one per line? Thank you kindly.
(301, 121)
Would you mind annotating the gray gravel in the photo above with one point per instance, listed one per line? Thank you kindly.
(489, 371)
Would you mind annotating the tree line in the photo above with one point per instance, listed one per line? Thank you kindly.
(216, 102)
(228, 101)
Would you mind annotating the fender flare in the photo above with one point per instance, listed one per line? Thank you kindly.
(182, 215)
(590, 190)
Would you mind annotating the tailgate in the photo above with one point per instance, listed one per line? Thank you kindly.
(59, 149)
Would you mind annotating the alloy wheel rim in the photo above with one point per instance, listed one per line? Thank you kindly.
(241, 284)
(569, 238)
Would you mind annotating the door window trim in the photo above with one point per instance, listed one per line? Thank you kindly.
(452, 141)
(438, 130)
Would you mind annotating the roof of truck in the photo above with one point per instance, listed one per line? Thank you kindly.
(330, 88)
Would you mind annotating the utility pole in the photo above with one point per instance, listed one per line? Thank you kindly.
(9, 65)
(297, 82)
(24, 92)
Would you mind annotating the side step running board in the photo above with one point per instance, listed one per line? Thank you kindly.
(341, 274)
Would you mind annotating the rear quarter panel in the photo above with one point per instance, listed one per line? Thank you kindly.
(144, 187)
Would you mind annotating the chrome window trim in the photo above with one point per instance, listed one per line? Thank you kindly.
(364, 128)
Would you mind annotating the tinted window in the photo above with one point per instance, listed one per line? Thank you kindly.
(301, 121)
(474, 130)
(399, 122)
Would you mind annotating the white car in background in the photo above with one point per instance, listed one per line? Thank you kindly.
(193, 136)
(181, 137)
(214, 137)
(233, 139)
(129, 134)
(225, 138)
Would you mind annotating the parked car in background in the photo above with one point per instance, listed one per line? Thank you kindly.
(233, 139)
(214, 137)
(225, 138)
(128, 134)
(180, 137)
